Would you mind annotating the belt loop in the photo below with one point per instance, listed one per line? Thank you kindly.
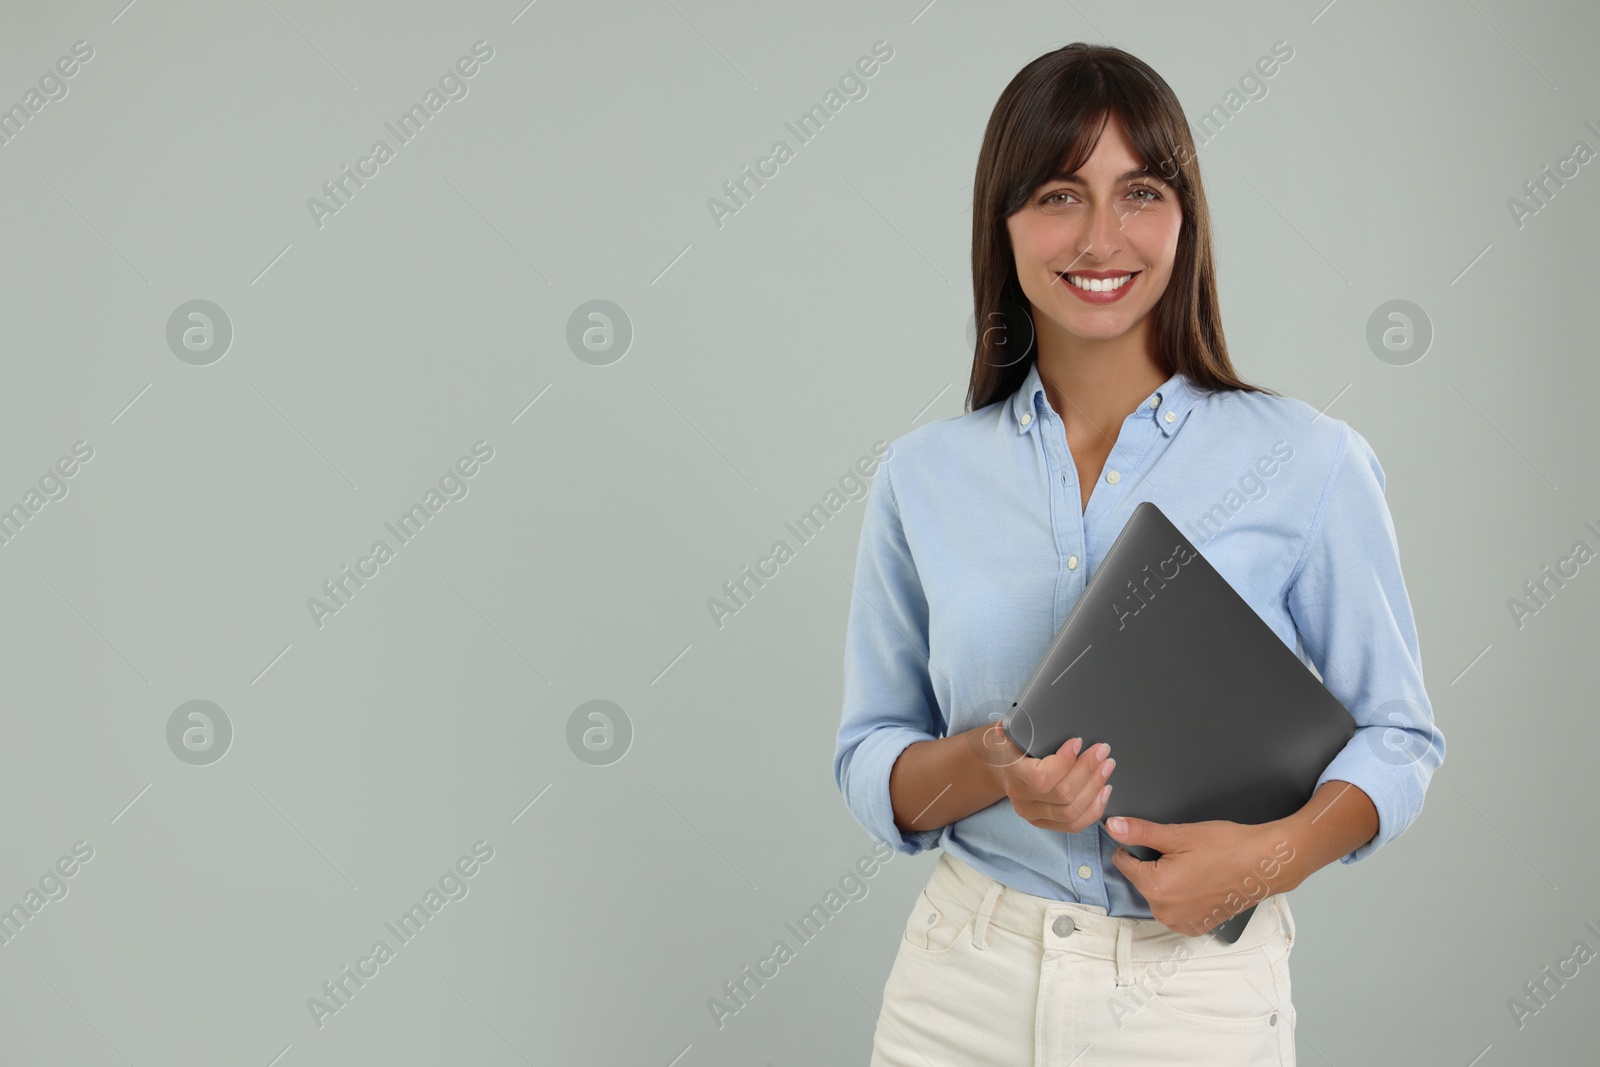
(980, 929)
(1124, 952)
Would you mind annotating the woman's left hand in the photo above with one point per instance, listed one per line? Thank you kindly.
(1208, 872)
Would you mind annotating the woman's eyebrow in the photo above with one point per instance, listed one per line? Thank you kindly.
(1137, 172)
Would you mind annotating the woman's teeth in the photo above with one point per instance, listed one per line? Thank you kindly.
(1097, 285)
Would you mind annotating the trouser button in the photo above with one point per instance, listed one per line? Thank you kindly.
(1063, 926)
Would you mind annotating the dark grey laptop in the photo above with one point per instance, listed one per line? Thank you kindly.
(1208, 713)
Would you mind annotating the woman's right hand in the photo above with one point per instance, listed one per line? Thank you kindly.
(1066, 790)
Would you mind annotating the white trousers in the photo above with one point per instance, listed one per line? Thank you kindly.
(990, 975)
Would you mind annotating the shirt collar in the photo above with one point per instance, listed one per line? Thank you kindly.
(1167, 404)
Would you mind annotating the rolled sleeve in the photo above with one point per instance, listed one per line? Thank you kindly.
(1349, 604)
(889, 701)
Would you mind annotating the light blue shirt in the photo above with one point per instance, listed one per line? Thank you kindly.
(974, 548)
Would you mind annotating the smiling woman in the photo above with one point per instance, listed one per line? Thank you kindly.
(1091, 239)
(1127, 226)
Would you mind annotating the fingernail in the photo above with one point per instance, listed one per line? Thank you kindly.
(1105, 768)
(1117, 825)
(1077, 745)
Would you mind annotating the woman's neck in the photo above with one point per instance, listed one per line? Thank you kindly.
(1095, 387)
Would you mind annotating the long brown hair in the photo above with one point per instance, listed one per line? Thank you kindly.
(1048, 121)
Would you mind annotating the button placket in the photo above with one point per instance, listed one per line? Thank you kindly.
(1132, 448)
(1065, 505)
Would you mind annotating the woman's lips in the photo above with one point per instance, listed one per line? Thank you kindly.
(1107, 297)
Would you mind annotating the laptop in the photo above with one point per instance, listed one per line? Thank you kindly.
(1208, 713)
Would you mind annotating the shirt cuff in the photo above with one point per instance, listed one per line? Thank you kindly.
(1395, 787)
(868, 782)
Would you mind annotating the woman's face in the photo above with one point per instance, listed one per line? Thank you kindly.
(1102, 222)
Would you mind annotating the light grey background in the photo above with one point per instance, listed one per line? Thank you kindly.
(768, 355)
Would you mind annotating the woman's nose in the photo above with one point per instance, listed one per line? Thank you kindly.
(1104, 233)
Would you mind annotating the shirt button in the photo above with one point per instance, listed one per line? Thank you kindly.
(1072, 563)
(1084, 871)
(1170, 417)
(1113, 477)
(1155, 401)
(1063, 926)
(1027, 418)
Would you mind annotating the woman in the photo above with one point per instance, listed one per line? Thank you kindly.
(1101, 379)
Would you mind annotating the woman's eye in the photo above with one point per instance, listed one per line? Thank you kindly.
(1052, 198)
